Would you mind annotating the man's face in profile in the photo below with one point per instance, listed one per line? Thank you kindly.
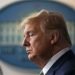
(36, 42)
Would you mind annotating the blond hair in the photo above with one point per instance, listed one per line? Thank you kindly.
(48, 20)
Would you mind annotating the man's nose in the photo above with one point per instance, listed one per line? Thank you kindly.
(25, 42)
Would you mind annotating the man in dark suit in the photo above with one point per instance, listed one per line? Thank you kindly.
(1, 72)
(48, 44)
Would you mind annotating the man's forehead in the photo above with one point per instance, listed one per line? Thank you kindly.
(29, 27)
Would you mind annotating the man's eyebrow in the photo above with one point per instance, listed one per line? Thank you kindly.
(29, 31)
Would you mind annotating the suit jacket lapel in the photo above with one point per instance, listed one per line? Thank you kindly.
(68, 55)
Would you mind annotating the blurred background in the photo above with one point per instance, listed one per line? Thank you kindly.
(13, 58)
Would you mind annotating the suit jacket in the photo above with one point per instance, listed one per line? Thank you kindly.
(1, 72)
(65, 65)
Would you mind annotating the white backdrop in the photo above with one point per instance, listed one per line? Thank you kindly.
(7, 69)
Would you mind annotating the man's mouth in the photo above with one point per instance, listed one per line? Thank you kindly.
(28, 51)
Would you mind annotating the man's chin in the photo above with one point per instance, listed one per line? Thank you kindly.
(31, 57)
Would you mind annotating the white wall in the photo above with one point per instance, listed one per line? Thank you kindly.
(68, 2)
(11, 70)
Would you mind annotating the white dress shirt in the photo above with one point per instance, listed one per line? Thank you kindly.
(54, 59)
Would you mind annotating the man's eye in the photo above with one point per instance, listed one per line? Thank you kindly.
(31, 34)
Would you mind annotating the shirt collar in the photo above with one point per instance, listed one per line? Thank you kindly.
(54, 59)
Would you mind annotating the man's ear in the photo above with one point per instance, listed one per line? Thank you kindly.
(54, 37)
